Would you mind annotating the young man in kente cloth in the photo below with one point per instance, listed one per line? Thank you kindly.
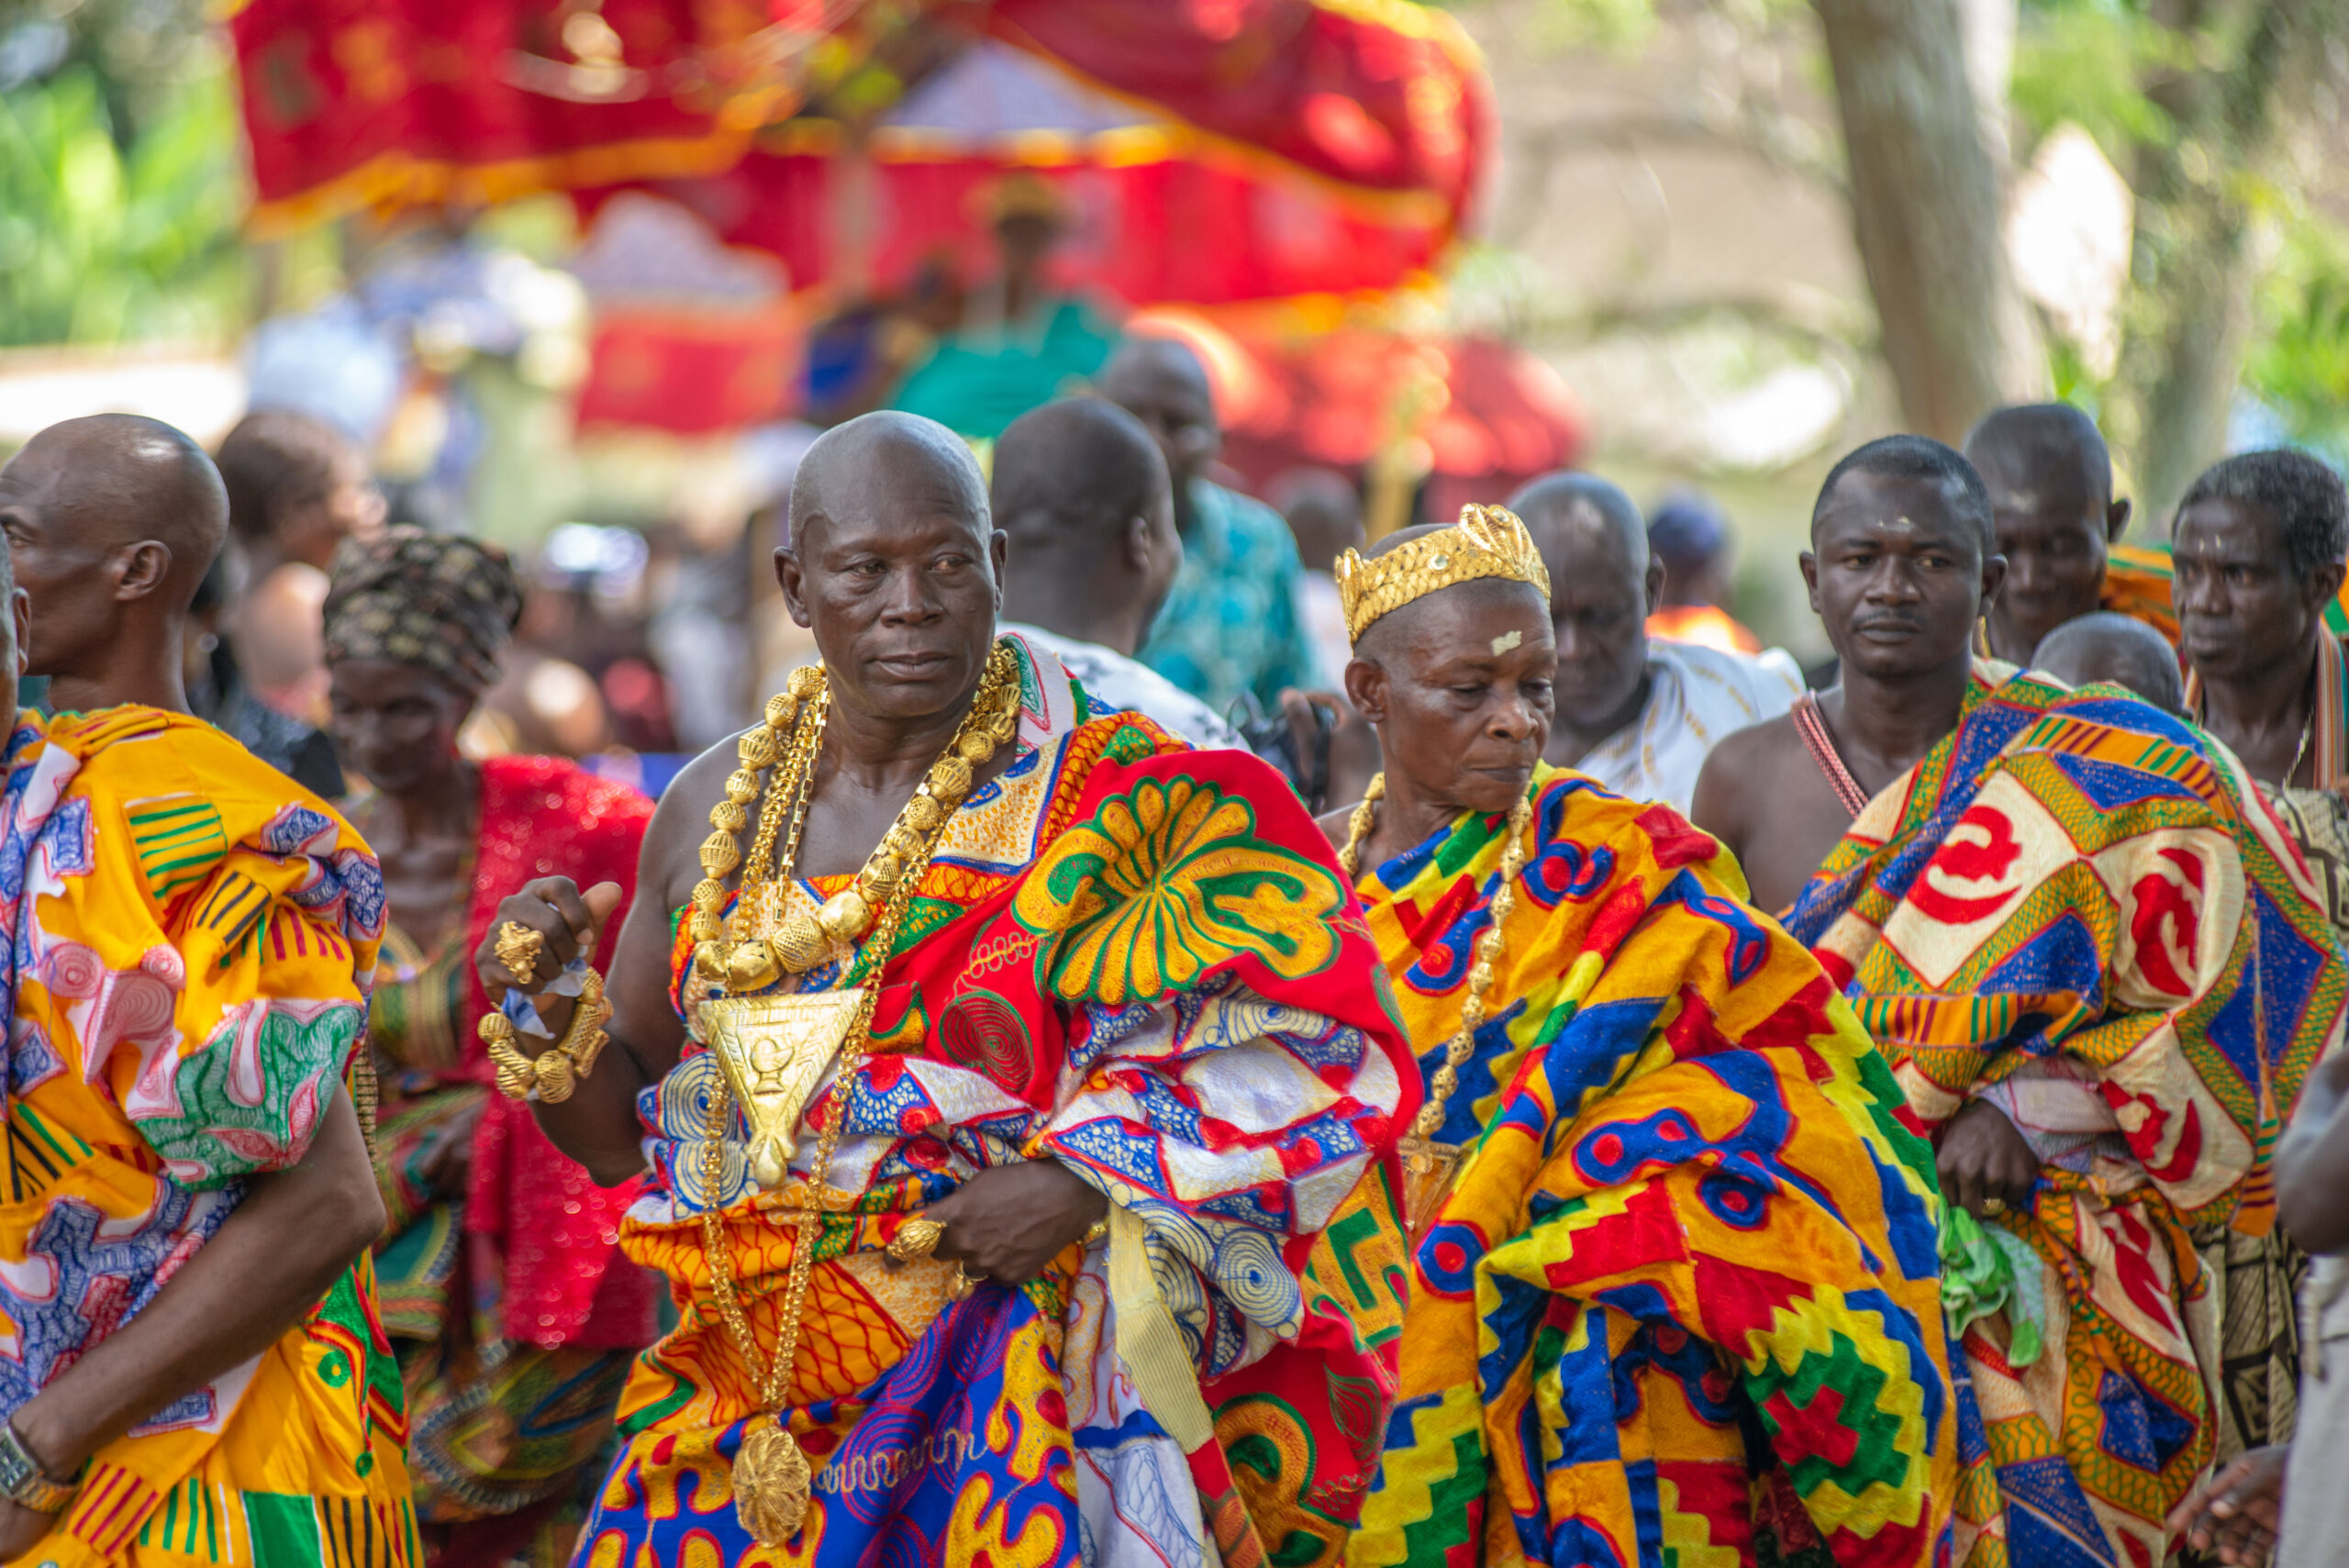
(1673, 1293)
(2100, 975)
(1018, 1093)
(192, 1369)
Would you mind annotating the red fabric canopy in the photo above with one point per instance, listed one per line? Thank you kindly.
(1380, 104)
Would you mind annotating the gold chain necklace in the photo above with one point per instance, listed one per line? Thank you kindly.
(1428, 1166)
(771, 1051)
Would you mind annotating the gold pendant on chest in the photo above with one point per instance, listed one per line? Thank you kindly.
(775, 1050)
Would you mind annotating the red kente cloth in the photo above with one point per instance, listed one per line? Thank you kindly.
(556, 1229)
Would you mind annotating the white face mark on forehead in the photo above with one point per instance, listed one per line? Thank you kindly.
(2020, 500)
(1506, 641)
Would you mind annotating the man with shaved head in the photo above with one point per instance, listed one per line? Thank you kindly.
(2096, 968)
(1230, 628)
(1001, 1050)
(2116, 649)
(1636, 714)
(192, 1321)
(2058, 525)
(1613, 1352)
(1080, 492)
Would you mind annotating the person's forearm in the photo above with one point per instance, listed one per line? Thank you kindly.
(598, 1125)
(2313, 1162)
(259, 1276)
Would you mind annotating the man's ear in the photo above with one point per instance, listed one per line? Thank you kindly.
(1808, 564)
(1655, 582)
(786, 576)
(20, 611)
(139, 569)
(2116, 521)
(998, 556)
(1366, 689)
(2325, 585)
(1137, 532)
(1994, 575)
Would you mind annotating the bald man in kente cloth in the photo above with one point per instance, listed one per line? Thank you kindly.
(2101, 975)
(191, 1363)
(1636, 712)
(1017, 1096)
(1673, 1296)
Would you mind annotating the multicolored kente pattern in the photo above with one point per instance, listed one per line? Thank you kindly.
(186, 939)
(1680, 1305)
(2077, 907)
(1139, 959)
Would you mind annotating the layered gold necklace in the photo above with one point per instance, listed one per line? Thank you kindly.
(774, 1049)
(1429, 1166)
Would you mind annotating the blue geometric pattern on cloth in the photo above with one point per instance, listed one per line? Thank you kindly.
(2139, 1428)
(2063, 957)
(2108, 787)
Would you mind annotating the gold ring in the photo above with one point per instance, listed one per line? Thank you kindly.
(518, 950)
(1994, 1205)
(963, 1285)
(916, 1239)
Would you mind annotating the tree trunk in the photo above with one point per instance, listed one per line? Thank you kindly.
(2187, 324)
(1926, 207)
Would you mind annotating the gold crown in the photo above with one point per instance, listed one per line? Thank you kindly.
(1487, 542)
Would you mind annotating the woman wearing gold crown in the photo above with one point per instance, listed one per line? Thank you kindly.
(1019, 1102)
(1674, 1281)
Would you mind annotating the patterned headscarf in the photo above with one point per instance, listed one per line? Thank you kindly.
(437, 601)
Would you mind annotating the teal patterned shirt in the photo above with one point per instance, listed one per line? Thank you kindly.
(1231, 624)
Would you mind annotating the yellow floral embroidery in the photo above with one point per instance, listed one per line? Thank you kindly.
(1165, 883)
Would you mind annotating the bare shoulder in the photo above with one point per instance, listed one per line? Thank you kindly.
(672, 859)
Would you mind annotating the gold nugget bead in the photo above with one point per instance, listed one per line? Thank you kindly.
(805, 682)
(750, 967)
(949, 778)
(710, 895)
(1481, 975)
(783, 711)
(741, 786)
(845, 916)
(556, 1078)
(710, 960)
(976, 748)
(494, 1026)
(729, 817)
(922, 813)
(799, 945)
(882, 872)
(706, 926)
(720, 854)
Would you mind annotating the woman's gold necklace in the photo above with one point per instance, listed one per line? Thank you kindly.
(1429, 1165)
(772, 1479)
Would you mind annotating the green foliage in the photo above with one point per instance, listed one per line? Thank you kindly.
(2084, 62)
(2299, 358)
(111, 232)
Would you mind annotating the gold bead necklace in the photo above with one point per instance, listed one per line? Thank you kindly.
(773, 1480)
(1429, 1165)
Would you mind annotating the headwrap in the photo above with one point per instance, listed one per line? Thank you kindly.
(437, 601)
(1487, 542)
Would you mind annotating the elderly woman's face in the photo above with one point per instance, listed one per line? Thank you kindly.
(395, 724)
(1459, 684)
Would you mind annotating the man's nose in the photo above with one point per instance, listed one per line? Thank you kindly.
(1894, 583)
(908, 597)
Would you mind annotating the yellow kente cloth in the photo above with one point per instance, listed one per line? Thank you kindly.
(1679, 1304)
(192, 935)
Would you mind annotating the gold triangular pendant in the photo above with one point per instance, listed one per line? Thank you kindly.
(773, 1051)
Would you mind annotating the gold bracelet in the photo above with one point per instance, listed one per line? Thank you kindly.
(1100, 1229)
(551, 1076)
